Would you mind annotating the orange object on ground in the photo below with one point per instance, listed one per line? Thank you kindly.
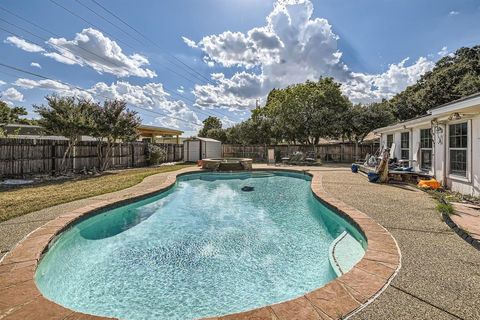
(429, 184)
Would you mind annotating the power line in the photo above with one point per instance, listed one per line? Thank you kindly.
(75, 61)
(200, 110)
(81, 48)
(97, 27)
(35, 43)
(149, 40)
(88, 22)
(84, 90)
(169, 91)
(106, 20)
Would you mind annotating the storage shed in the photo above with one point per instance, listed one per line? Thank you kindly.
(195, 149)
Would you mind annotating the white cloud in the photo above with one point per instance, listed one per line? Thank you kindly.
(12, 94)
(291, 47)
(36, 65)
(23, 44)
(181, 89)
(41, 84)
(445, 52)
(2, 83)
(454, 13)
(189, 42)
(258, 46)
(366, 88)
(90, 47)
(151, 96)
(238, 92)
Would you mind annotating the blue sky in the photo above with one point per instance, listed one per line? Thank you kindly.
(364, 44)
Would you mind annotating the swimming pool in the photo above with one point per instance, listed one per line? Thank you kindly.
(203, 248)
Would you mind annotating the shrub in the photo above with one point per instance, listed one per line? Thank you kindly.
(156, 154)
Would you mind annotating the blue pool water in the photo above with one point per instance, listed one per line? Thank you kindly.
(203, 248)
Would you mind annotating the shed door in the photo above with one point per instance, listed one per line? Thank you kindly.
(192, 151)
(213, 150)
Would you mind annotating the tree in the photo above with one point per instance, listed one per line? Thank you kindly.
(113, 122)
(212, 128)
(11, 115)
(453, 77)
(307, 112)
(364, 119)
(211, 123)
(66, 116)
(361, 120)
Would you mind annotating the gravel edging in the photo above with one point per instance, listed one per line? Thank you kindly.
(462, 233)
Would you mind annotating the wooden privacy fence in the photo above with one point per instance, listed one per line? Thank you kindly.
(339, 152)
(24, 157)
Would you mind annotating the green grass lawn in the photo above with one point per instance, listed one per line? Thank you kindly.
(22, 200)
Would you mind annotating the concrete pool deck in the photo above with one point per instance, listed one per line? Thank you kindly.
(439, 279)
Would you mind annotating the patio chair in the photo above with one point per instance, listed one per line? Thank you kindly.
(296, 158)
(310, 158)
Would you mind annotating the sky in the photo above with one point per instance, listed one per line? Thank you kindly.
(178, 62)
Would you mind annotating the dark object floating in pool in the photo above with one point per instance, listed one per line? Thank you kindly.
(248, 189)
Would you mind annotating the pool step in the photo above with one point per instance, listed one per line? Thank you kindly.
(344, 253)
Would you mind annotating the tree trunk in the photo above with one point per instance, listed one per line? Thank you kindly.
(356, 150)
(100, 154)
(66, 154)
(106, 156)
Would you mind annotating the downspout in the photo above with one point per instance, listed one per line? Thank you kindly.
(444, 176)
(410, 136)
(434, 158)
(470, 161)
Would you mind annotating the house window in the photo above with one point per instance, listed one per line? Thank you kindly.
(426, 144)
(458, 144)
(389, 140)
(405, 145)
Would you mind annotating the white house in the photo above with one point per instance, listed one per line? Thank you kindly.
(444, 143)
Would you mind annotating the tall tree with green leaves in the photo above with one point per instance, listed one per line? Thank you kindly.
(66, 116)
(453, 77)
(308, 111)
(210, 123)
(12, 114)
(363, 119)
(113, 122)
(9, 115)
(212, 128)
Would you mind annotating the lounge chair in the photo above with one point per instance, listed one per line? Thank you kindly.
(310, 158)
(296, 158)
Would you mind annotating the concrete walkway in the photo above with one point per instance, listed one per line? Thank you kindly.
(467, 217)
(440, 275)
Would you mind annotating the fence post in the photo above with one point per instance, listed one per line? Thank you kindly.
(132, 150)
(52, 155)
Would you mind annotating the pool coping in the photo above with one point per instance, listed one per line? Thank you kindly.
(21, 299)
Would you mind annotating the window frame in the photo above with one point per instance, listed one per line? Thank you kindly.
(389, 145)
(455, 176)
(409, 145)
(428, 148)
